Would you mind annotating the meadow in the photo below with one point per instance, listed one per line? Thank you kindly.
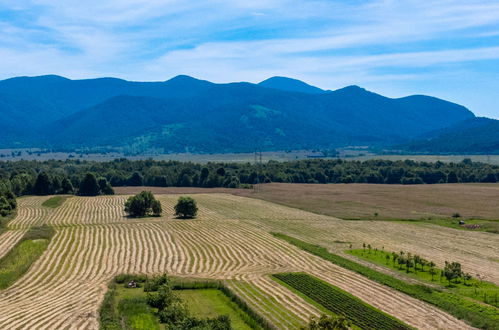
(230, 241)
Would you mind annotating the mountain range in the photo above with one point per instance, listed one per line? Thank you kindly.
(185, 114)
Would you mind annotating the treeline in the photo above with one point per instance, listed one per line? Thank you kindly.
(23, 177)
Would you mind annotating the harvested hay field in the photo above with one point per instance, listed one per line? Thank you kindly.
(230, 240)
(362, 201)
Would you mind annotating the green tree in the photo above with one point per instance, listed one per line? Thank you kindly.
(67, 186)
(156, 208)
(186, 208)
(104, 187)
(135, 180)
(43, 185)
(452, 270)
(5, 208)
(89, 186)
(143, 204)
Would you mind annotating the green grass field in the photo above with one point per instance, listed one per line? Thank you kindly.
(208, 303)
(55, 201)
(17, 262)
(479, 290)
(137, 315)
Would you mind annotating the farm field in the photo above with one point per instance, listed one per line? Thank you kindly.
(230, 240)
(389, 202)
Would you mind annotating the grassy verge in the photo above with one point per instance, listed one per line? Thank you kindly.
(20, 258)
(340, 302)
(473, 288)
(475, 313)
(55, 201)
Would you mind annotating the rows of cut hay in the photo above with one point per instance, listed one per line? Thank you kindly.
(229, 240)
(9, 239)
(476, 251)
(30, 212)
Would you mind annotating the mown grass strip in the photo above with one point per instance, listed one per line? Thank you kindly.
(340, 302)
(476, 314)
(20, 258)
(55, 201)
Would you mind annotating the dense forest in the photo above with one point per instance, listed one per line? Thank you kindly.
(93, 178)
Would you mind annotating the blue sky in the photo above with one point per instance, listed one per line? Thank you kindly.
(447, 48)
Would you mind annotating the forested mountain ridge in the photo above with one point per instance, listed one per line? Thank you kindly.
(187, 114)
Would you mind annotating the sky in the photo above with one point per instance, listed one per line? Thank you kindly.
(444, 48)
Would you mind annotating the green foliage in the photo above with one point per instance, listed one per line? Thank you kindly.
(59, 177)
(452, 270)
(325, 322)
(477, 314)
(5, 207)
(143, 204)
(43, 185)
(105, 187)
(137, 314)
(89, 186)
(108, 317)
(340, 302)
(67, 186)
(186, 208)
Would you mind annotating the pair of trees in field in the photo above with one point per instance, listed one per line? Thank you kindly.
(145, 204)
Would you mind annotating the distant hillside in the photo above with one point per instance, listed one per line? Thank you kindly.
(290, 85)
(472, 136)
(187, 114)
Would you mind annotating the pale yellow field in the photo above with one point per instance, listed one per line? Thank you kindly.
(229, 240)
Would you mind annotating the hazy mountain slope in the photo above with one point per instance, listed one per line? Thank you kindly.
(290, 85)
(475, 135)
(243, 116)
